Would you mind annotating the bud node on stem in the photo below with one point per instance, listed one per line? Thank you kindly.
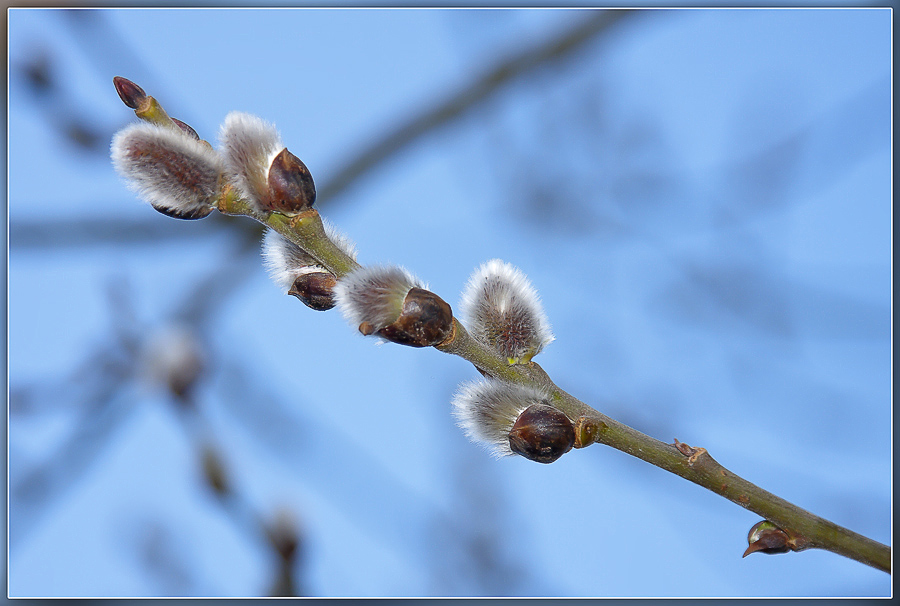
(586, 432)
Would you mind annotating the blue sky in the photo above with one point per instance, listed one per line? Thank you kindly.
(701, 197)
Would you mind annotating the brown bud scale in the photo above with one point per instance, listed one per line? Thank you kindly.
(130, 93)
(190, 215)
(767, 538)
(425, 320)
(186, 128)
(586, 432)
(542, 433)
(290, 186)
(315, 290)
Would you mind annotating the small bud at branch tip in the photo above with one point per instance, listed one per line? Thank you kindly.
(130, 93)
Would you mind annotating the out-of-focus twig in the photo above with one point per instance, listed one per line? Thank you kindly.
(277, 533)
(81, 232)
(468, 97)
(98, 391)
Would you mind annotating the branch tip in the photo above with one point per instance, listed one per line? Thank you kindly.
(130, 93)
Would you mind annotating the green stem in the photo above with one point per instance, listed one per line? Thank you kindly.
(151, 111)
(695, 465)
(699, 467)
(306, 230)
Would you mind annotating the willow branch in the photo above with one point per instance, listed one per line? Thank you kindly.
(300, 223)
(805, 530)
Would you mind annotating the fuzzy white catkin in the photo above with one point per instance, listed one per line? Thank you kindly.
(502, 309)
(286, 261)
(249, 144)
(374, 294)
(167, 167)
(486, 410)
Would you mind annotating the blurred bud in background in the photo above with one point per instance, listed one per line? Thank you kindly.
(174, 359)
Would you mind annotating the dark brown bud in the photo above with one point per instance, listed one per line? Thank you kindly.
(766, 537)
(315, 289)
(291, 187)
(542, 433)
(425, 320)
(130, 93)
